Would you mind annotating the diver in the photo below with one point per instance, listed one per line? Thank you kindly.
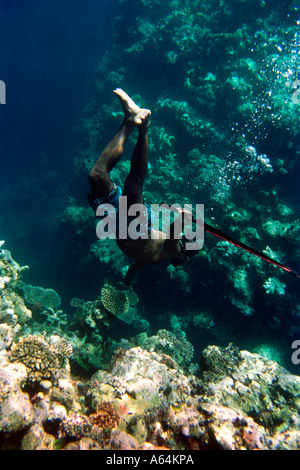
(158, 246)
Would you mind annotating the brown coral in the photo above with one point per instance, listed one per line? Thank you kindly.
(42, 359)
(75, 427)
(106, 416)
(64, 348)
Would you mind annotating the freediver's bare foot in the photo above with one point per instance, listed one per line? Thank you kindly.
(142, 119)
(131, 110)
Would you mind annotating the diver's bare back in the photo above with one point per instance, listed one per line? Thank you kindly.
(150, 251)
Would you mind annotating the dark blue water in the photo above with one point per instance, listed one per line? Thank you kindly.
(49, 53)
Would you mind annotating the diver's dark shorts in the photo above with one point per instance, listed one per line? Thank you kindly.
(113, 198)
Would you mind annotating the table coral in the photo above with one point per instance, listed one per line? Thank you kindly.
(44, 297)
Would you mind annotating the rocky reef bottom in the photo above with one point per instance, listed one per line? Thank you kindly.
(147, 395)
(144, 401)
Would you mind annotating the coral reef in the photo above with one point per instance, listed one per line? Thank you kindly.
(90, 322)
(270, 351)
(204, 320)
(107, 252)
(146, 397)
(75, 427)
(171, 344)
(222, 403)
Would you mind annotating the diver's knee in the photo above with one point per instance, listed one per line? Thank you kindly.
(97, 175)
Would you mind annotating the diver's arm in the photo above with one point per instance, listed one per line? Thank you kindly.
(132, 270)
(176, 228)
(171, 243)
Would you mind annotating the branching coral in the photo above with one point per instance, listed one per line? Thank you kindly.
(55, 320)
(274, 286)
(90, 313)
(63, 347)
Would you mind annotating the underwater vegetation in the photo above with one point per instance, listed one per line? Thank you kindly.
(189, 358)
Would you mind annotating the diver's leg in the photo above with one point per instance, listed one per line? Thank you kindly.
(133, 187)
(99, 178)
